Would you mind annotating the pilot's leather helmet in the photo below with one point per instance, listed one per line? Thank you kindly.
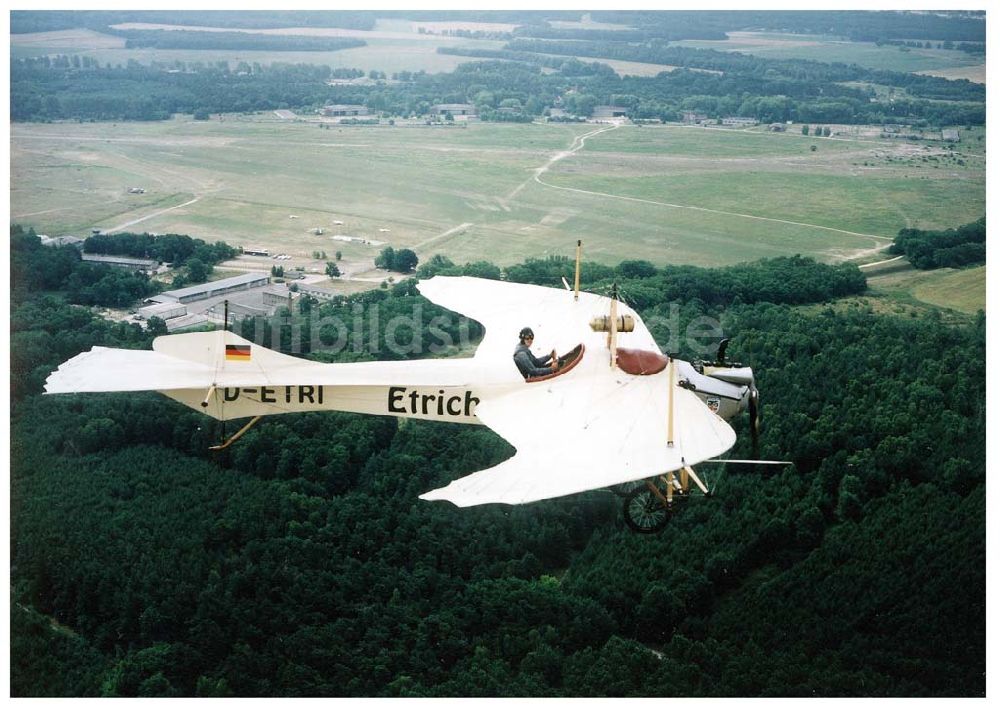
(526, 332)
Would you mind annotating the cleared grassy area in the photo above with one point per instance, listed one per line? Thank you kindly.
(962, 290)
(830, 49)
(666, 194)
(867, 187)
(715, 142)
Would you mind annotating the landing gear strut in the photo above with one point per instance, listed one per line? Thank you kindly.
(648, 508)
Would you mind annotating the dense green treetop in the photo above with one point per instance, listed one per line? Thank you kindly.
(950, 248)
(300, 562)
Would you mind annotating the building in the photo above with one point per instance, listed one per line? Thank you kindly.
(344, 111)
(278, 296)
(453, 108)
(737, 121)
(253, 250)
(165, 311)
(217, 288)
(56, 241)
(950, 135)
(317, 292)
(118, 261)
(604, 112)
(689, 116)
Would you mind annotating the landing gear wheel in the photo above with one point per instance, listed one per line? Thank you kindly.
(644, 512)
(623, 490)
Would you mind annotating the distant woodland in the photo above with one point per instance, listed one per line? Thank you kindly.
(73, 88)
(533, 72)
(675, 25)
(242, 41)
(300, 562)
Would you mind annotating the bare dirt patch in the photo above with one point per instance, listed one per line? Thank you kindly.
(440, 27)
(976, 74)
(70, 39)
(754, 39)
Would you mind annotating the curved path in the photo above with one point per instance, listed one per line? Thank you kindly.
(580, 141)
(712, 211)
(123, 226)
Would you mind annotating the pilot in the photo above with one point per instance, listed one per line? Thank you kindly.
(530, 365)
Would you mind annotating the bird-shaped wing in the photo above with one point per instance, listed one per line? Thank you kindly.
(590, 428)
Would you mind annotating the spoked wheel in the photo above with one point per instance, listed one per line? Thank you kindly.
(645, 512)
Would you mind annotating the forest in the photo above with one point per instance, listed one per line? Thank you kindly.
(675, 25)
(950, 248)
(62, 88)
(38, 268)
(537, 68)
(299, 562)
(172, 248)
(240, 41)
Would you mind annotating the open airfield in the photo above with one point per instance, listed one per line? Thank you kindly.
(669, 194)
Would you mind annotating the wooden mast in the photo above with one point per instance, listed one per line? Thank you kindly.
(576, 279)
(613, 328)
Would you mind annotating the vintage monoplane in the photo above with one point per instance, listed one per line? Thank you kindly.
(616, 411)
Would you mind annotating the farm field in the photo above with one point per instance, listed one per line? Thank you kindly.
(936, 62)
(393, 46)
(668, 194)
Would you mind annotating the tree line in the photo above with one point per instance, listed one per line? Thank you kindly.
(949, 248)
(240, 41)
(25, 21)
(172, 248)
(38, 268)
(859, 26)
(538, 74)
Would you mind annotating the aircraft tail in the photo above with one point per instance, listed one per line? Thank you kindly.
(179, 361)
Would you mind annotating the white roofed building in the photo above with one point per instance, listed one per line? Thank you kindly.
(119, 261)
(218, 287)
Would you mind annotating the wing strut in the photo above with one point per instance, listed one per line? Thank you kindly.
(670, 403)
(236, 436)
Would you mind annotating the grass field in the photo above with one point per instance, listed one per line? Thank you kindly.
(961, 290)
(867, 54)
(393, 46)
(490, 191)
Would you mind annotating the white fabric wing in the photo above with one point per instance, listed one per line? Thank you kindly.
(588, 432)
(503, 308)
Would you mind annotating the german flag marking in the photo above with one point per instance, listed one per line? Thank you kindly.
(237, 352)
